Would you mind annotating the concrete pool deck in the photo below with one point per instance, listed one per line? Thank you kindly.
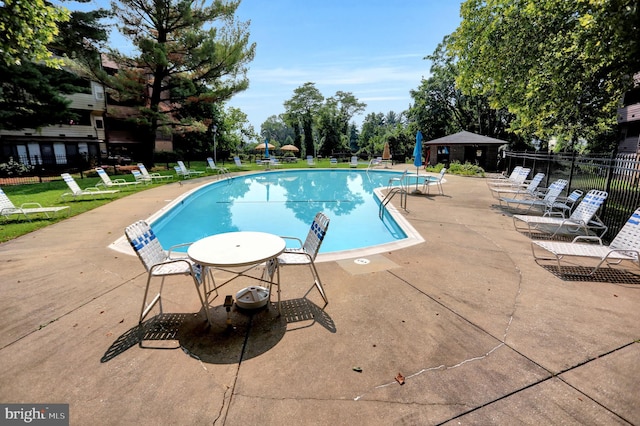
(480, 333)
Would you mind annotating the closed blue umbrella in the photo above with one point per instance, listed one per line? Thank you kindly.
(266, 147)
(417, 154)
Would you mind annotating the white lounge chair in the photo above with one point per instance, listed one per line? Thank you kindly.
(305, 253)
(274, 162)
(77, 192)
(238, 163)
(624, 247)
(333, 162)
(188, 172)
(531, 190)
(583, 219)
(215, 168)
(544, 204)
(153, 176)
(437, 181)
(161, 263)
(354, 161)
(517, 182)
(108, 183)
(139, 177)
(310, 161)
(512, 176)
(7, 208)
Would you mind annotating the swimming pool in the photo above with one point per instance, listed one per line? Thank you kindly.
(284, 203)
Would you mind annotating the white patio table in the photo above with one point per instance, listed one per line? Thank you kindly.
(237, 253)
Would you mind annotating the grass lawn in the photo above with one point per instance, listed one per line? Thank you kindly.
(48, 194)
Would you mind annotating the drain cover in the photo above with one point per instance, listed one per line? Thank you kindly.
(361, 261)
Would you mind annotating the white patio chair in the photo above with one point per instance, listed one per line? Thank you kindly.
(107, 182)
(186, 171)
(531, 190)
(7, 208)
(77, 192)
(624, 247)
(310, 161)
(153, 176)
(139, 177)
(517, 182)
(305, 253)
(354, 161)
(434, 181)
(161, 263)
(512, 176)
(543, 204)
(333, 162)
(563, 206)
(238, 163)
(583, 219)
(215, 168)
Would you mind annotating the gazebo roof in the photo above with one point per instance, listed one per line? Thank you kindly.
(466, 138)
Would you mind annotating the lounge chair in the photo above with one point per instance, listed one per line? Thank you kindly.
(108, 183)
(274, 162)
(531, 190)
(139, 177)
(310, 161)
(333, 162)
(544, 204)
(7, 208)
(238, 163)
(188, 172)
(624, 247)
(437, 181)
(512, 176)
(583, 219)
(215, 168)
(354, 161)
(305, 253)
(153, 176)
(161, 263)
(517, 182)
(77, 192)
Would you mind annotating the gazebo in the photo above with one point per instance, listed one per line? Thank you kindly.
(464, 147)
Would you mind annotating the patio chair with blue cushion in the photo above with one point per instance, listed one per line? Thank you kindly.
(107, 182)
(153, 176)
(215, 168)
(333, 162)
(354, 161)
(161, 263)
(78, 193)
(7, 208)
(582, 220)
(305, 253)
(310, 161)
(238, 162)
(624, 247)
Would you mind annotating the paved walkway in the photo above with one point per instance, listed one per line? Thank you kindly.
(479, 331)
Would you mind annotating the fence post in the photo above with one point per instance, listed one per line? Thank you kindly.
(573, 164)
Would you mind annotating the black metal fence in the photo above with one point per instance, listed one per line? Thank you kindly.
(618, 175)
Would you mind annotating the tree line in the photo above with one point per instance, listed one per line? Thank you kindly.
(520, 70)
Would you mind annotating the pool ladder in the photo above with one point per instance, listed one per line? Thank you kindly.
(392, 193)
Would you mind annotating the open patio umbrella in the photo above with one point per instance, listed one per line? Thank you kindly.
(266, 146)
(417, 154)
(289, 148)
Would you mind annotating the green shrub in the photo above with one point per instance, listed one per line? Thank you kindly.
(456, 168)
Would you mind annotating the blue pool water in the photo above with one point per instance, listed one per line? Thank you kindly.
(285, 203)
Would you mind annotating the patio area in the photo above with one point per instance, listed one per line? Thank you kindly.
(479, 333)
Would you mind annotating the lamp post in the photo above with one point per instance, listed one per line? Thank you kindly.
(215, 130)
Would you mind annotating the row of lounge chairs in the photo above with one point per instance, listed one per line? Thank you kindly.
(559, 218)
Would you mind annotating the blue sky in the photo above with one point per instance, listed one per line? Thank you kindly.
(372, 48)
